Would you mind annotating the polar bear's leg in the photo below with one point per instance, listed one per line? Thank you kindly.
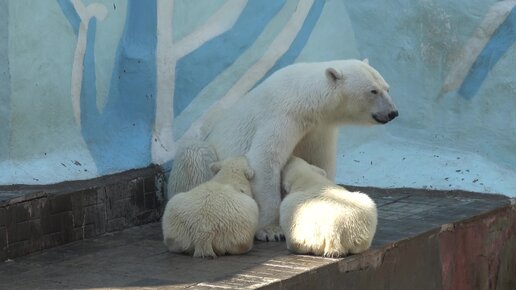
(298, 247)
(191, 167)
(362, 242)
(235, 240)
(333, 247)
(272, 146)
(362, 247)
(319, 147)
(240, 247)
(204, 246)
(266, 189)
(176, 246)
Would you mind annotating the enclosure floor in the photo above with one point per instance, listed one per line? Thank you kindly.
(136, 257)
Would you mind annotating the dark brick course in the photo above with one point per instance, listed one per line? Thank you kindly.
(3, 238)
(149, 184)
(61, 203)
(4, 217)
(33, 218)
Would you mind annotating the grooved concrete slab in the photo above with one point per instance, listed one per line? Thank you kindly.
(136, 257)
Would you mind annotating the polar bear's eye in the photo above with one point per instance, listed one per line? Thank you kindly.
(374, 92)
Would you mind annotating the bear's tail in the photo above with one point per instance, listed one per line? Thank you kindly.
(191, 167)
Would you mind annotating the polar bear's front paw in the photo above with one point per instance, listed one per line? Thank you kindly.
(270, 234)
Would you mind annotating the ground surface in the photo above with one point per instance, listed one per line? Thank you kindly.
(136, 257)
(387, 161)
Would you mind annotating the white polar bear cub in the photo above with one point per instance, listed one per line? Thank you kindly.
(217, 217)
(322, 218)
(297, 110)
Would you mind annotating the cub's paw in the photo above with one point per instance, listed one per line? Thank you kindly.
(272, 233)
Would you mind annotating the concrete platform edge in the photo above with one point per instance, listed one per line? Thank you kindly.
(475, 253)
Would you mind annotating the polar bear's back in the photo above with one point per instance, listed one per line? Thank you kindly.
(345, 198)
(289, 89)
(210, 211)
(332, 222)
(214, 208)
(325, 212)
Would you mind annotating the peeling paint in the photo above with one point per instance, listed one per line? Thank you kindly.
(447, 228)
(471, 254)
(371, 259)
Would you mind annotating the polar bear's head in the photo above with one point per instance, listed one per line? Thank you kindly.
(362, 93)
(234, 171)
(297, 172)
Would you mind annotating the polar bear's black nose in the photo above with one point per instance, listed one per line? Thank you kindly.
(393, 115)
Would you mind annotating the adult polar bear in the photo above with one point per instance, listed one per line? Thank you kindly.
(297, 110)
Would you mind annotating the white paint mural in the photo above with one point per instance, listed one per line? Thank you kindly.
(90, 88)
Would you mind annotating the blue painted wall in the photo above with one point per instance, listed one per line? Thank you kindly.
(502, 39)
(5, 84)
(89, 88)
(192, 73)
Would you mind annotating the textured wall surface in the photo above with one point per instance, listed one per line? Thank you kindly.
(40, 217)
(89, 88)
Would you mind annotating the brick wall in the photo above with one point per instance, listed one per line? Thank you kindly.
(33, 218)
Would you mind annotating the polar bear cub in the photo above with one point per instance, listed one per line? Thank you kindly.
(215, 218)
(321, 218)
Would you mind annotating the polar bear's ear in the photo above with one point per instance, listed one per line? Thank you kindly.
(366, 60)
(249, 173)
(333, 75)
(318, 170)
(215, 167)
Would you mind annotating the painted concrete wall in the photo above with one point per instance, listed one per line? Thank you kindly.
(89, 88)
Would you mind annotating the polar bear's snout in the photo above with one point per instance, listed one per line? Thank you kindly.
(386, 110)
(393, 114)
(385, 118)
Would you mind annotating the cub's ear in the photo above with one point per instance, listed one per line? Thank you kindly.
(249, 173)
(333, 75)
(318, 170)
(215, 167)
(366, 60)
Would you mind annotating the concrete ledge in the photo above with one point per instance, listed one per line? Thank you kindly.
(33, 218)
(478, 253)
(425, 240)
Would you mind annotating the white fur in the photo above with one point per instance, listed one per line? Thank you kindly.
(191, 167)
(215, 218)
(296, 110)
(322, 218)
